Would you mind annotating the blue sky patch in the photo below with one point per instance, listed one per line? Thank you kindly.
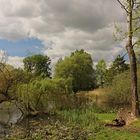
(21, 48)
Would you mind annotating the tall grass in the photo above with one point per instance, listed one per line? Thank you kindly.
(82, 117)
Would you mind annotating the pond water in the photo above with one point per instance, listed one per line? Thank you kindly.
(9, 113)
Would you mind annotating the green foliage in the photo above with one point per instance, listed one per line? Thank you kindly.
(136, 23)
(100, 72)
(38, 65)
(36, 94)
(83, 117)
(118, 66)
(63, 128)
(114, 134)
(118, 34)
(10, 78)
(121, 90)
(79, 68)
(120, 93)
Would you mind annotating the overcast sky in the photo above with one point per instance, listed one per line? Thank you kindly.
(58, 27)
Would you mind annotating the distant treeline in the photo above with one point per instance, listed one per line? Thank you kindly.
(33, 86)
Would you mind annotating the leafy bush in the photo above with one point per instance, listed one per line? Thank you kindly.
(120, 93)
(44, 93)
(10, 78)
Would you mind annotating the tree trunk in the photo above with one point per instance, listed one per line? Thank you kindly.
(133, 64)
(133, 72)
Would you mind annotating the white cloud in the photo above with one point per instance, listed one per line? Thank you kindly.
(3, 56)
(15, 61)
(63, 26)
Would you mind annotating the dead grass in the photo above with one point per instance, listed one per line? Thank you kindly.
(98, 92)
(98, 95)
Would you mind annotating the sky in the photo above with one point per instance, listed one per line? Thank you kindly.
(58, 27)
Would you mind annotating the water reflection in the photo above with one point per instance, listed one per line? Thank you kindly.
(9, 113)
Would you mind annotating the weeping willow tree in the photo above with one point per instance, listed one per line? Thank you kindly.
(132, 9)
(4, 76)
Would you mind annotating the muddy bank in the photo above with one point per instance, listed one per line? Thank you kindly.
(47, 128)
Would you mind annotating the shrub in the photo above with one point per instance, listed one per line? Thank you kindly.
(44, 93)
(120, 93)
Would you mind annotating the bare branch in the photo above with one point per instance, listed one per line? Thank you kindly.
(133, 3)
(124, 54)
(136, 8)
(136, 29)
(135, 43)
(123, 6)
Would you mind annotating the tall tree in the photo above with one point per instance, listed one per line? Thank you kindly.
(132, 9)
(100, 72)
(78, 67)
(138, 58)
(118, 66)
(39, 65)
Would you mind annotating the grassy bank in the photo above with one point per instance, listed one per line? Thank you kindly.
(82, 122)
(73, 124)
